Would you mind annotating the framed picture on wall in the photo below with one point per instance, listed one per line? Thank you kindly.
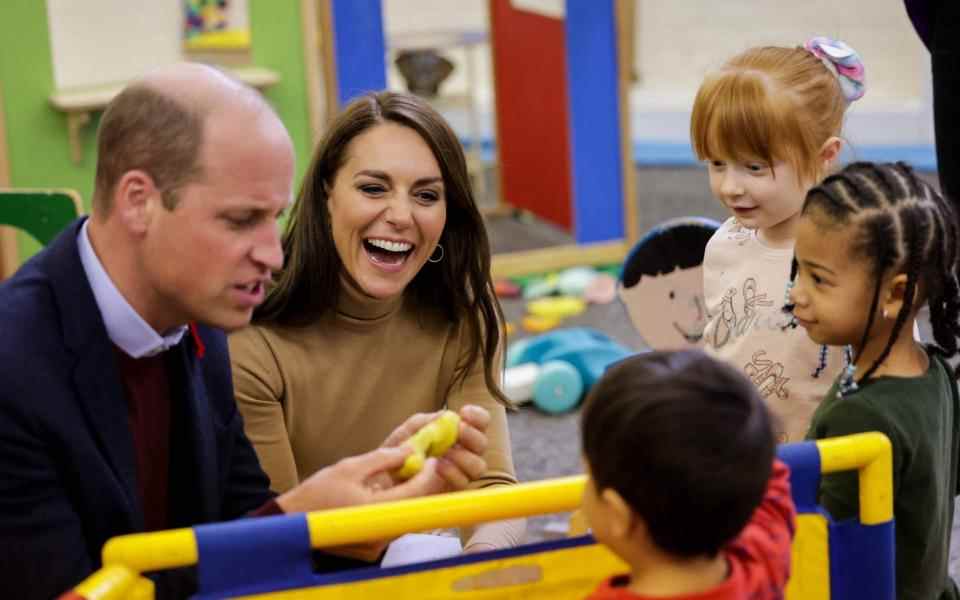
(216, 31)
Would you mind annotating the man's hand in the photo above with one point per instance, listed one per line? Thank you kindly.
(358, 480)
(366, 479)
(361, 480)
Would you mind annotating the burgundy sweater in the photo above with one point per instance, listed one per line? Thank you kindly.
(147, 389)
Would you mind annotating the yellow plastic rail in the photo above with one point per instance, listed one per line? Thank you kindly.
(869, 453)
(872, 455)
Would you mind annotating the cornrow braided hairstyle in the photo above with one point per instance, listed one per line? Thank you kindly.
(902, 223)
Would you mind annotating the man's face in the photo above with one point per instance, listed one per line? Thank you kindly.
(667, 310)
(209, 259)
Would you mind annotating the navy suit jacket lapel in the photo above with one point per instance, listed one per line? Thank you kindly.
(201, 428)
(97, 379)
(96, 373)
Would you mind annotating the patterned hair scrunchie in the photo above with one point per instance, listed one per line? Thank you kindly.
(844, 62)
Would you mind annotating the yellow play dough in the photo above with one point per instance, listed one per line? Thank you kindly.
(433, 439)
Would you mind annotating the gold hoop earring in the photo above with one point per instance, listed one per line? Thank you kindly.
(439, 258)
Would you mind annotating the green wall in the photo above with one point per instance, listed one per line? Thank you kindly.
(277, 38)
(39, 153)
(36, 133)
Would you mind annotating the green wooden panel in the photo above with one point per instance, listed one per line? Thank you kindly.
(42, 214)
(37, 144)
(276, 36)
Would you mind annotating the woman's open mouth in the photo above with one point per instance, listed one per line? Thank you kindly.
(387, 255)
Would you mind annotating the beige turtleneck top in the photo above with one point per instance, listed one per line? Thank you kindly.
(313, 395)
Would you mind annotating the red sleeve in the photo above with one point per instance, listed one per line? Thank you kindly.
(761, 553)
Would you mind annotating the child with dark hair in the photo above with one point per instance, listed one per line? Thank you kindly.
(875, 243)
(683, 484)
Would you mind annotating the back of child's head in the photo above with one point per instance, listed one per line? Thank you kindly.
(902, 225)
(776, 104)
(686, 441)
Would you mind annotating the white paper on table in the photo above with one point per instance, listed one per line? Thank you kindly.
(420, 547)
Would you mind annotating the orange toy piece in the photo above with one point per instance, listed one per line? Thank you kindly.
(539, 324)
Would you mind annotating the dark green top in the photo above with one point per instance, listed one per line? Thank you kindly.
(920, 416)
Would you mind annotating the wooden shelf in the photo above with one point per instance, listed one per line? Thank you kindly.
(555, 258)
(78, 104)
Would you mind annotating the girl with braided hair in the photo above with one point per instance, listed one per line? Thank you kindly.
(768, 125)
(874, 243)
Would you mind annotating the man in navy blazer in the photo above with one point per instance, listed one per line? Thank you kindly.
(116, 402)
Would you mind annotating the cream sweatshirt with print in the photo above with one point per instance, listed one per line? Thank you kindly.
(744, 287)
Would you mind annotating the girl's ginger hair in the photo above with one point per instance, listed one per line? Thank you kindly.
(769, 103)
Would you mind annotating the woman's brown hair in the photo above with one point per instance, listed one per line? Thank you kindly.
(459, 285)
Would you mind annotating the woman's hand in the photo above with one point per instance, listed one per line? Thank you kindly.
(366, 478)
(464, 461)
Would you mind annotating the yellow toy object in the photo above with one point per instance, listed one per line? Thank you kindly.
(559, 307)
(536, 324)
(230, 39)
(116, 582)
(433, 439)
(269, 558)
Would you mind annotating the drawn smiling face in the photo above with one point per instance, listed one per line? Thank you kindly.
(694, 336)
(668, 310)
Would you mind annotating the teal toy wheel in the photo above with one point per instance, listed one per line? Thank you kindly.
(516, 350)
(558, 388)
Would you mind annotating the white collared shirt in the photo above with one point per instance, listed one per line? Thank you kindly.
(125, 327)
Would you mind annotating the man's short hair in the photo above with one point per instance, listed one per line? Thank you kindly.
(686, 441)
(142, 128)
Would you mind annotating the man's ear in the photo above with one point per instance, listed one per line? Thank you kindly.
(135, 196)
(622, 521)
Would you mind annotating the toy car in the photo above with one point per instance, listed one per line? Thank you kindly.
(556, 369)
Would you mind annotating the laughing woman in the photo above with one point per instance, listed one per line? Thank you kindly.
(385, 306)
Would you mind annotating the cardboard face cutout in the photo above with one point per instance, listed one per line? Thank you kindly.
(661, 285)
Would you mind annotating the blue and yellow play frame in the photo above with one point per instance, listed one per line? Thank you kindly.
(270, 557)
(849, 559)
